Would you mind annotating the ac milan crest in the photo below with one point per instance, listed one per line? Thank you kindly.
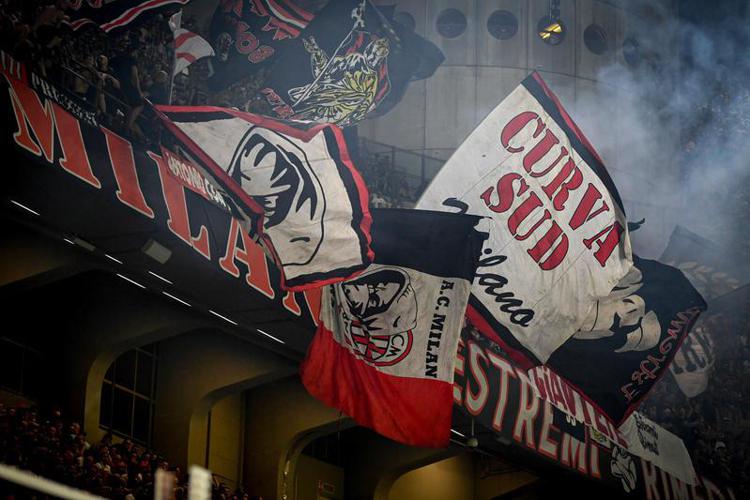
(379, 311)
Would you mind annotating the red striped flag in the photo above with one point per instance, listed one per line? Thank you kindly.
(115, 14)
(188, 48)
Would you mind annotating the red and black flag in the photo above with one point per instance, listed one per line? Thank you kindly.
(345, 65)
(247, 34)
(110, 15)
(629, 338)
(385, 348)
(292, 186)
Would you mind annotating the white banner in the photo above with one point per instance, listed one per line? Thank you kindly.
(559, 239)
(654, 443)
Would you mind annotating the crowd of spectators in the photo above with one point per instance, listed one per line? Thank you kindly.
(52, 447)
(114, 74)
(714, 425)
(388, 187)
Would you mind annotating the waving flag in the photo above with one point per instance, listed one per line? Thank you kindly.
(558, 240)
(385, 348)
(115, 14)
(712, 272)
(291, 185)
(347, 64)
(629, 338)
(248, 34)
(188, 48)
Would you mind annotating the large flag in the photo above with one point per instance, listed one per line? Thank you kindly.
(713, 272)
(385, 348)
(345, 65)
(248, 34)
(629, 338)
(110, 15)
(292, 186)
(558, 240)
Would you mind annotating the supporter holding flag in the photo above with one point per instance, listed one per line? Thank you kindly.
(292, 185)
(385, 348)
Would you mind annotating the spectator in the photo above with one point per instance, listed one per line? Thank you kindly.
(47, 446)
(158, 93)
(125, 69)
(109, 86)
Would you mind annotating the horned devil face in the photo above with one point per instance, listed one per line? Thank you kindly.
(622, 314)
(623, 466)
(381, 302)
(277, 174)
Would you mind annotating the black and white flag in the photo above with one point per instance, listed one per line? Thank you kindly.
(386, 344)
(629, 339)
(714, 272)
(558, 237)
(291, 184)
(349, 63)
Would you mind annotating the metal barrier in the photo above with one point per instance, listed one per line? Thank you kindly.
(37, 483)
(418, 169)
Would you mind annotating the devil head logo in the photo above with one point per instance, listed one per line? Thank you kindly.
(622, 466)
(623, 316)
(379, 310)
(278, 175)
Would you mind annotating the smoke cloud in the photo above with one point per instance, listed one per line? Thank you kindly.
(674, 129)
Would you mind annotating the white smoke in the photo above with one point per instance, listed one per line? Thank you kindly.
(674, 130)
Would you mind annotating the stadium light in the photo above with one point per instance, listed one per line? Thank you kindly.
(222, 317)
(84, 244)
(112, 258)
(177, 299)
(553, 32)
(270, 336)
(157, 251)
(131, 281)
(165, 280)
(21, 205)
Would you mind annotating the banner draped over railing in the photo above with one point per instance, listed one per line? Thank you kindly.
(501, 397)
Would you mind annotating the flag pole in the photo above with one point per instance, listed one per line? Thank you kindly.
(175, 21)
